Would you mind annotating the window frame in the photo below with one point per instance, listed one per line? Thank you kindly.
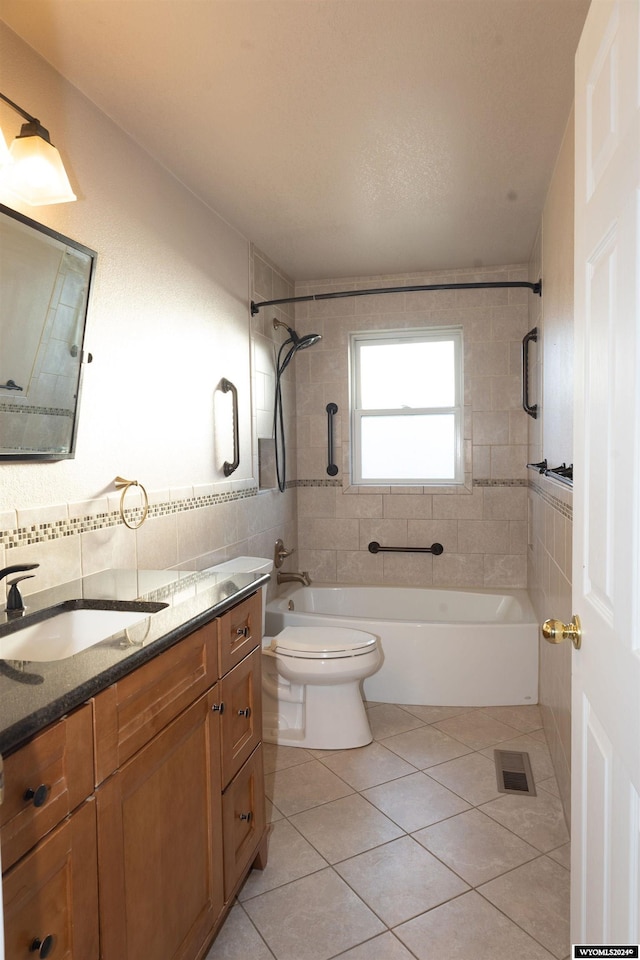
(453, 334)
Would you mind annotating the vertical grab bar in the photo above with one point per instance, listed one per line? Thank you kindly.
(531, 409)
(332, 409)
(229, 468)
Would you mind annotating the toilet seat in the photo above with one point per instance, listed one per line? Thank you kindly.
(325, 643)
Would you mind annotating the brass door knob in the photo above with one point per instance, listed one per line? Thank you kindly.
(555, 631)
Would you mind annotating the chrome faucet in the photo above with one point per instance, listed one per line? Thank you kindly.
(297, 577)
(15, 603)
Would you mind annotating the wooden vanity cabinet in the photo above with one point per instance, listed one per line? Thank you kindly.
(150, 806)
(180, 794)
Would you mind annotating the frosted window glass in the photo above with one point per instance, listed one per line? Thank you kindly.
(408, 447)
(407, 375)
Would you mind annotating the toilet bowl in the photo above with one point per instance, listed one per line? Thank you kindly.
(311, 679)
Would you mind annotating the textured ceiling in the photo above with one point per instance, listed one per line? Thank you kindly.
(344, 137)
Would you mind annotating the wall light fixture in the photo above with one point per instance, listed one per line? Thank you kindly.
(33, 169)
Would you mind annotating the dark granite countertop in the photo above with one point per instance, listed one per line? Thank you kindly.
(34, 694)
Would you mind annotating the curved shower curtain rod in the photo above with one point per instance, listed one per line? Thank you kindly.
(534, 287)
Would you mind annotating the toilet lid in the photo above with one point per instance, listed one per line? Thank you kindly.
(322, 642)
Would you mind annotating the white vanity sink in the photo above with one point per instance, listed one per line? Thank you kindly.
(66, 633)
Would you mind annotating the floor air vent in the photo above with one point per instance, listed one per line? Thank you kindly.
(513, 772)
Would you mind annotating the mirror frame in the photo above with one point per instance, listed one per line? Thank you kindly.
(93, 256)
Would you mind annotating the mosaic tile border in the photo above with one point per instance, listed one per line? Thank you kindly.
(46, 411)
(500, 483)
(72, 526)
(564, 508)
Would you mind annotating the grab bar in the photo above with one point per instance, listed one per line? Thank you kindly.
(332, 409)
(531, 409)
(436, 549)
(229, 468)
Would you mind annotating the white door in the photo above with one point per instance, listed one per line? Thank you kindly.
(606, 572)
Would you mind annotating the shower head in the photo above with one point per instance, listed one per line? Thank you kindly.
(298, 342)
(308, 340)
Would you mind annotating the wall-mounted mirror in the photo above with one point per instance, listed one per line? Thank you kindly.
(45, 280)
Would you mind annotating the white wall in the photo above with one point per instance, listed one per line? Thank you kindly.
(169, 317)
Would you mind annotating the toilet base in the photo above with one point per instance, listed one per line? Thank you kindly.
(320, 718)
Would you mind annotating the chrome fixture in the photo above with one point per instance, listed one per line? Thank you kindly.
(299, 342)
(303, 578)
(15, 603)
(32, 167)
(294, 343)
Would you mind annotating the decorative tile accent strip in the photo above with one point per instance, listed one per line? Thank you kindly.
(317, 483)
(564, 508)
(500, 483)
(41, 532)
(46, 411)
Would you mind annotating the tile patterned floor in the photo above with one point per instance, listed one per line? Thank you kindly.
(405, 850)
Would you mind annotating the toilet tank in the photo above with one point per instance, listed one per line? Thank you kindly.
(246, 565)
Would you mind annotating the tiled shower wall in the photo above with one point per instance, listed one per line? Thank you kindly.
(550, 436)
(482, 525)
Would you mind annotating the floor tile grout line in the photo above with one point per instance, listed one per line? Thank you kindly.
(353, 791)
(471, 887)
(515, 922)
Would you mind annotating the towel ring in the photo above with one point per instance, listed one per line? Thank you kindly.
(124, 485)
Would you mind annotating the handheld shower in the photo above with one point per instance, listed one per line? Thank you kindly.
(295, 343)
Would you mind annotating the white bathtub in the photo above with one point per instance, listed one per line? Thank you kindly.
(441, 647)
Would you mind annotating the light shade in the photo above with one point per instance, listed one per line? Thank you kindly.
(36, 173)
(4, 152)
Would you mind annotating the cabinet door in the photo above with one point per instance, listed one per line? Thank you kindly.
(244, 819)
(241, 695)
(160, 843)
(53, 893)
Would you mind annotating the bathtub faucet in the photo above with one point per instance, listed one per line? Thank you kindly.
(303, 578)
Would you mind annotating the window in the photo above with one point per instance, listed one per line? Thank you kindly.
(406, 407)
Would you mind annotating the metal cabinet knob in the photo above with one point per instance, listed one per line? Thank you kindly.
(39, 795)
(245, 713)
(218, 708)
(555, 631)
(243, 631)
(42, 947)
(246, 816)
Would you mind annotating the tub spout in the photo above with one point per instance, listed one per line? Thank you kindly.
(297, 577)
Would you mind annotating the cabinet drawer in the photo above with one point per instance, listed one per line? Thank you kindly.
(239, 631)
(53, 892)
(243, 818)
(132, 711)
(44, 781)
(241, 720)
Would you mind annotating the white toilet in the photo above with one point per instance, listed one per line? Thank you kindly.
(311, 680)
